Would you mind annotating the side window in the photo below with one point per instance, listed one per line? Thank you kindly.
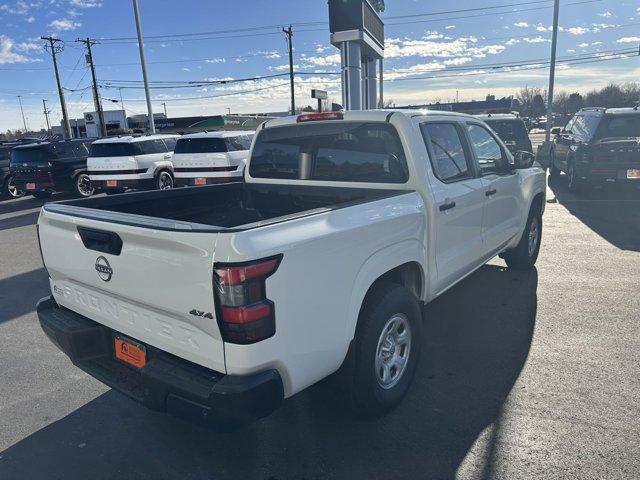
(239, 143)
(449, 160)
(579, 127)
(488, 152)
(170, 144)
(152, 146)
(569, 126)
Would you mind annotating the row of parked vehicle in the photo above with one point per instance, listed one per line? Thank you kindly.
(115, 164)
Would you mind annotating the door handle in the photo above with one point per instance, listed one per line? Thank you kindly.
(491, 192)
(447, 206)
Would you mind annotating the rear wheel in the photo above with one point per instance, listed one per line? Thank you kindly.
(554, 171)
(525, 255)
(10, 189)
(82, 186)
(164, 180)
(386, 350)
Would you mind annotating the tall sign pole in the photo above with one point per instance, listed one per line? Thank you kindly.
(552, 69)
(136, 12)
(46, 115)
(24, 121)
(54, 49)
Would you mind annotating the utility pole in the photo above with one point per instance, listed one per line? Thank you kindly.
(289, 33)
(96, 95)
(552, 69)
(24, 121)
(143, 63)
(46, 115)
(54, 49)
(164, 104)
(381, 83)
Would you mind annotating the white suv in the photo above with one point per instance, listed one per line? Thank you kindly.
(118, 163)
(211, 157)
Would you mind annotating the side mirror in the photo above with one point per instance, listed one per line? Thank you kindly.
(523, 159)
(556, 130)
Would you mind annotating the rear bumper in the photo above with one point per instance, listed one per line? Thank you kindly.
(606, 173)
(166, 383)
(197, 181)
(131, 183)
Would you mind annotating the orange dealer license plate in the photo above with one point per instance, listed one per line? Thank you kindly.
(633, 173)
(31, 186)
(112, 183)
(130, 352)
(201, 181)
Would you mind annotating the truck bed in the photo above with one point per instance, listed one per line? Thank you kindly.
(224, 207)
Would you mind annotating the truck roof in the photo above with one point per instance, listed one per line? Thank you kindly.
(370, 116)
(134, 139)
(219, 134)
(26, 146)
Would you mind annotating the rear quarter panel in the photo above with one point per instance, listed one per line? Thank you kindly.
(330, 261)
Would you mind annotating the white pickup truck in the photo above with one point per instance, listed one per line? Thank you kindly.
(214, 303)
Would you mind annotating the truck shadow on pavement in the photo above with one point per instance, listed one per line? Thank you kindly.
(476, 342)
(611, 212)
(20, 293)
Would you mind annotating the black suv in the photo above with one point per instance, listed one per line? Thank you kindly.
(53, 166)
(511, 129)
(598, 145)
(7, 188)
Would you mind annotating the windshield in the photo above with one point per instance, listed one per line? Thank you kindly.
(621, 126)
(30, 155)
(509, 130)
(341, 152)
(116, 149)
(201, 145)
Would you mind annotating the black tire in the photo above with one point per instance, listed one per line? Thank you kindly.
(42, 194)
(384, 302)
(525, 255)
(82, 185)
(9, 191)
(164, 180)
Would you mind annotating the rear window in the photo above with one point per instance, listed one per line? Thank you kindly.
(331, 151)
(30, 155)
(201, 145)
(116, 149)
(509, 130)
(621, 126)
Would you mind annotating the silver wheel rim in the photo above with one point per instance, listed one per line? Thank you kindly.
(84, 185)
(393, 350)
(13, 191)
(165, 181)
(534, 232)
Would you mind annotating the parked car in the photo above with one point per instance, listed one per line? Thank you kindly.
(138, 162)
(598, 146)
(42, 168)
(511, 129)
(211, 157)
(8, 189)
(218, 302)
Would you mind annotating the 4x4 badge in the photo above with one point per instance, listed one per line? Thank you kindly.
(105, 272)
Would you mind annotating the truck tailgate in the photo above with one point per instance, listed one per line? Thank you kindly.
(145, 291)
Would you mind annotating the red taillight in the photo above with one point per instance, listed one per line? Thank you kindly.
(245, 314)
(316, 117)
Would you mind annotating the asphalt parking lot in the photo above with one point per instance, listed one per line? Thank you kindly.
(523, 375)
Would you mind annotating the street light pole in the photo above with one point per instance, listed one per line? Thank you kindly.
(552, 69)
(136, 12)
(164, 104)
(24, 121)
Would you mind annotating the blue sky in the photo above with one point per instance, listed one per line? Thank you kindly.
(456, 47)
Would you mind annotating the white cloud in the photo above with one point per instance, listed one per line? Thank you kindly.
(8, 52)
(64, 24)
(86, 3)
(583, 45)
(322, 61)
(215, 60)
(535, 40)
(628, 40)
(606, 14)
(596, 43)
(30, 19)
(571, 50)
(28, 46)
(449, 27)
(512, 41)
(521, 24)
(577, 30)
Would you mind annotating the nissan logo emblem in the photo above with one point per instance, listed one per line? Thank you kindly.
(105, 272)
